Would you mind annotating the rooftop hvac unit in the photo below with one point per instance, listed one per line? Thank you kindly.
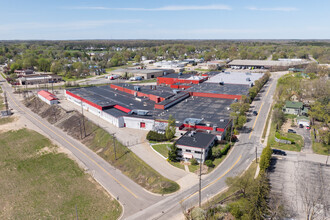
(222, 120)
(208, 131)
(135, 93)
(137, 88)
(116, 88)
(221, 83)
(180, 73)
(208, 124)
(215, 128)
(228, 108)
(248, 79)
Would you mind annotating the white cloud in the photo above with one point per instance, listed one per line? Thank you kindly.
(64, 26)
(284, 9)
(165, 8)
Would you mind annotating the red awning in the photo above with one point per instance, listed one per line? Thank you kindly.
(121, 108)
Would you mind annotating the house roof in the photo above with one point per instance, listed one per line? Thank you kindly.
(196, 139)
(47, 95)
(289, 104)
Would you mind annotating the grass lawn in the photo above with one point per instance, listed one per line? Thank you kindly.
(193, 168)
(177, 164)
(131, 165)
(266, 126)
(216, 162)
(6, 120)
(320, 148)
(39, 183)
(299, 143)
(162, 149)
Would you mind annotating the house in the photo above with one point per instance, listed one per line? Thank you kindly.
(48, 97)
(294, 98)
(293, 108)
(195, 145)
(303, 120)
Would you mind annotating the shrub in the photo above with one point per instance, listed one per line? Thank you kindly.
(209, 163)
(225, 150)
(172, 153)
(265, 158)
(193, 161)
(155, 136)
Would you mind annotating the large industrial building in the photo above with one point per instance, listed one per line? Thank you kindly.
(278, 65)
(144, 73)
(201, 107)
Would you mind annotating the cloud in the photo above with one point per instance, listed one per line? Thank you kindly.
(65, 25)
(165, 8)
(284, 9)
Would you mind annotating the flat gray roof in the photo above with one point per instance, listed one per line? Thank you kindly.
(144, 71)
(216, 88)
(266, 63)
(241, 78)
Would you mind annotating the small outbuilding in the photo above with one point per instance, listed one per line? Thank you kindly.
(304, 121)
(48, 97)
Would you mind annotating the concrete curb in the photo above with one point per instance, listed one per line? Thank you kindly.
(157, 152)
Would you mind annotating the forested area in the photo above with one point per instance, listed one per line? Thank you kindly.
(76, 59)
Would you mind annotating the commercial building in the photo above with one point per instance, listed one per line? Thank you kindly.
(48, 97)
(144, 73)
(39, 79)
(195, 145)
(173, 78)
(272, 65)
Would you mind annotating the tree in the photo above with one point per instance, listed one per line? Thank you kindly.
(265, 157)
(56, 67)
(44, 64)
(173, 153)
(170, 129)
(137, 58)
(240, 183)
(241, 121)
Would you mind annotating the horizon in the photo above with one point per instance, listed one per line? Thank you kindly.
(149, 20)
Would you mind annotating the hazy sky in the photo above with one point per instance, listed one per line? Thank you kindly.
(160, 19)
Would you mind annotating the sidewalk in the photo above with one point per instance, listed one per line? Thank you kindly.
(135, 140)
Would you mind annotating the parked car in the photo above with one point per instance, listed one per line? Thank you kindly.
(291, 131)
(301, 126)
(279, 152)
(255, 113)
(308, 127)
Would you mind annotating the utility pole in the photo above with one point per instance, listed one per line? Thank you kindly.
(83, 118)
(256, 154)
(114, 145)
(200, 180)
(6, 103)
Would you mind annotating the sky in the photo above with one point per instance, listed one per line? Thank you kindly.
(164, 19)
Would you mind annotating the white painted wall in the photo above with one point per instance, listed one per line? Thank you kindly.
(132, 122)
(52, 102)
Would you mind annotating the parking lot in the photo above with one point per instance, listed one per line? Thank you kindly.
(301, 185)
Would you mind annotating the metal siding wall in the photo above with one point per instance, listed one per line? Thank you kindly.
(135, 123)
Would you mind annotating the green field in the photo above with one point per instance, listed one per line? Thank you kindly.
(39, 183)
(161, 148)
(299, 142)
(6, 120)
(319, 148)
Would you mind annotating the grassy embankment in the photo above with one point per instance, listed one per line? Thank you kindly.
(100, 141)
(319, 147)
(291, 147)
(37, 182)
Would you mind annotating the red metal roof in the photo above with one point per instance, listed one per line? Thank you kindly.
(47, 95)
(121, 108)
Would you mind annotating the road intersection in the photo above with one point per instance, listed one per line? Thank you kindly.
(137, 202)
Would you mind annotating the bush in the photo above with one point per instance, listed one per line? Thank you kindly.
(209, 163)
(225, 150)
(172, 153)
(155, 136)
(193, 161)
(265, 157)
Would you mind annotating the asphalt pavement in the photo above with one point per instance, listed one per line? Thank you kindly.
(137, 202)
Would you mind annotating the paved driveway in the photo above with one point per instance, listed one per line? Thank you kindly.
(306, 134)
